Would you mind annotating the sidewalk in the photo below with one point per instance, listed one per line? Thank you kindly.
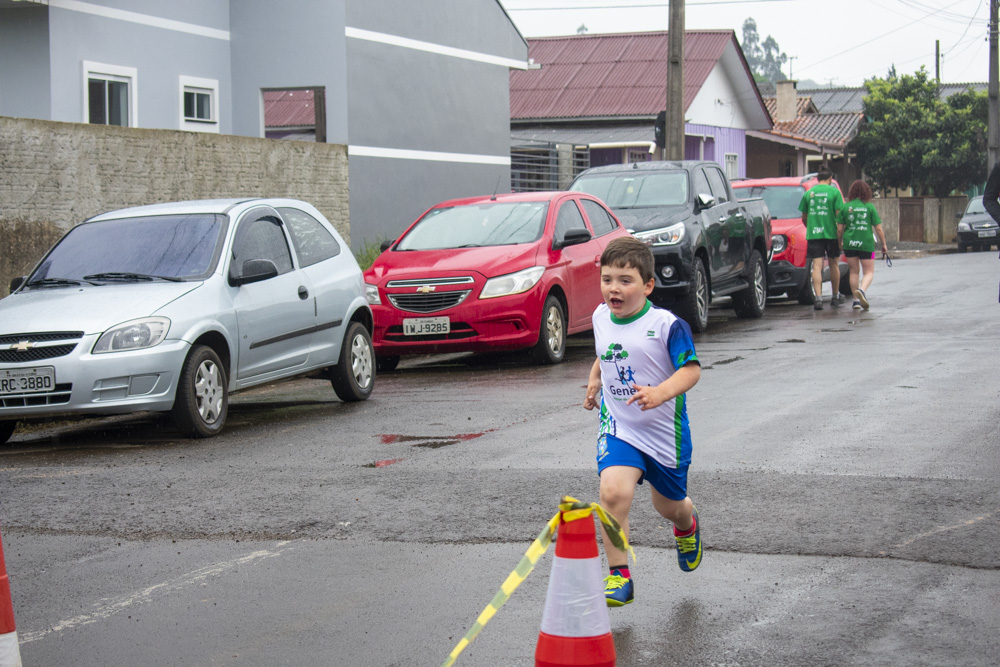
(909, 249)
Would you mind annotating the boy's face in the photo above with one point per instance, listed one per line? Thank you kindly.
(623, 290)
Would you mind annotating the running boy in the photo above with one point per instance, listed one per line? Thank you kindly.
(646, 361)
(820, 206)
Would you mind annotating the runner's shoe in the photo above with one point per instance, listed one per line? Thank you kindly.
(618, 591)
(856, 305)
(689, 547)
(862, 298)
(818, 304)
(838, 300)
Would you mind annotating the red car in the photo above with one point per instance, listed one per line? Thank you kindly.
(488, 273)
(787, 272)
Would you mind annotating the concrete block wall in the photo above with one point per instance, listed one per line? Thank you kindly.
(55, 175)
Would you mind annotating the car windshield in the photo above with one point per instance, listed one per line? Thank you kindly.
(976, 206)
(172, 247)
(782, 200)
(665, 188)
(477, 225)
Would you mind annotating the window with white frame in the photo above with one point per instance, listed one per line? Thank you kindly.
(199, 104)
(109, 94)
(732, 166)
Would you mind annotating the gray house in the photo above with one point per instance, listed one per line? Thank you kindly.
(416, 89)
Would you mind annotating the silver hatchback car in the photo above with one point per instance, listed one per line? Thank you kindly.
(172, 307)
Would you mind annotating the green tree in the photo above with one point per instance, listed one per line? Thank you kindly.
(765, 58)
(912, 138)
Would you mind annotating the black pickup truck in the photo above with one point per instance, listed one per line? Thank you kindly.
(705, 241)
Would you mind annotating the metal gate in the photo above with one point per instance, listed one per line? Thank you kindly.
(911, 219)
(536, 165)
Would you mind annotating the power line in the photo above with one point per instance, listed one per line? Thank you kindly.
(638, 6)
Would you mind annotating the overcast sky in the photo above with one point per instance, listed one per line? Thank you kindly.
(842, 42)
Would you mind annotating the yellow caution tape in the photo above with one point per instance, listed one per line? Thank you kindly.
(571, 510)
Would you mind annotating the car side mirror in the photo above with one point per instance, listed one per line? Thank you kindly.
(386, 245)
(959, 215)
(574, 236)
(254, 271)
(705, 201)
(16, 282)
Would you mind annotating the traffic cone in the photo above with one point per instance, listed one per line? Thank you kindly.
(575, 626)
(10, 652)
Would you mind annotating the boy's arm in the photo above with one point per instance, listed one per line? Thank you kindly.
(680, 382)
(593, 385)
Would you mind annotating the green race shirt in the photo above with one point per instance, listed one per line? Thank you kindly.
(822, 203)
(859, 220)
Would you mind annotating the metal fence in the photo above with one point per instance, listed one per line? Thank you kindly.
(537, 165)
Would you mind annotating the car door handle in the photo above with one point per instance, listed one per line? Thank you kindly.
(303, 292)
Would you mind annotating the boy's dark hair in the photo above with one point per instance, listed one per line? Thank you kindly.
(859, 190)
(629, 252)
(824, 173)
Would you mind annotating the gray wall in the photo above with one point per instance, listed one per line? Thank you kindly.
(159, 56)
(280, 45)
(55, 175)
(408, 99)
(24, 51)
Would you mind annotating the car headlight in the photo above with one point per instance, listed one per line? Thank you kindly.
(371, 293)
(964, 227)
(671, 235)
(134, 335)
(778, 243)
(512, 283)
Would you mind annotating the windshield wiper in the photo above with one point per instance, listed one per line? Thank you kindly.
(52, 282)
(130, 277)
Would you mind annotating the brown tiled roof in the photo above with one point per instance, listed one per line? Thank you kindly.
(831, 129)
(619, 75)
(804, 105)
(289, 108)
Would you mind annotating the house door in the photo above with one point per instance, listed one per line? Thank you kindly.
(911, 219)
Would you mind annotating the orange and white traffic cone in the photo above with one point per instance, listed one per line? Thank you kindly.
(10, 652)
(575, 626)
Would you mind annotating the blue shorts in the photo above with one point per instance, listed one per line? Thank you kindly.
(670, 482)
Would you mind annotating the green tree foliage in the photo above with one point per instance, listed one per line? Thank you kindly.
(765, 58)
(912, 138)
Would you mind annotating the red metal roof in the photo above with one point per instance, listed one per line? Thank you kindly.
(289, 108)
(610, 75)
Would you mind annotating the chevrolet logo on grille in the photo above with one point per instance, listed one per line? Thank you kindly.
(22, 346)
(424, 289)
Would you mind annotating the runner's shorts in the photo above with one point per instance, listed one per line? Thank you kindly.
(670, 482)
(816, 248)
(860, 254)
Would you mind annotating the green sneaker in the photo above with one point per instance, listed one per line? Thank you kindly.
(618, 591)
(689, 547)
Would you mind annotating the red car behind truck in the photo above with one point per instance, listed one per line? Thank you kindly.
(787, 272)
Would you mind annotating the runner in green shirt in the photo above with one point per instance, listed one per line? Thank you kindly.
(820, 207)
(858, 221)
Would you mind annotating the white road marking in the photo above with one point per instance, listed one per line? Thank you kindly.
(110, 607)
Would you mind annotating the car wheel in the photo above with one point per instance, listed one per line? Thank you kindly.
(750, 302)
(202, 400)
(7, 429)
(387, 363)
(806, 295)
(693, 308)
(551, 345)
(354, 375)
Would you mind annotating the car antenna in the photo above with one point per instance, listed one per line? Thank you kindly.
(495, 188)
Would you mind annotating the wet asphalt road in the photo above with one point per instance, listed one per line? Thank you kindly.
(845, 469)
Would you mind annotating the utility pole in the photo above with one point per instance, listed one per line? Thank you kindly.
(675, 82)
(993, 129)
(937, 60)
